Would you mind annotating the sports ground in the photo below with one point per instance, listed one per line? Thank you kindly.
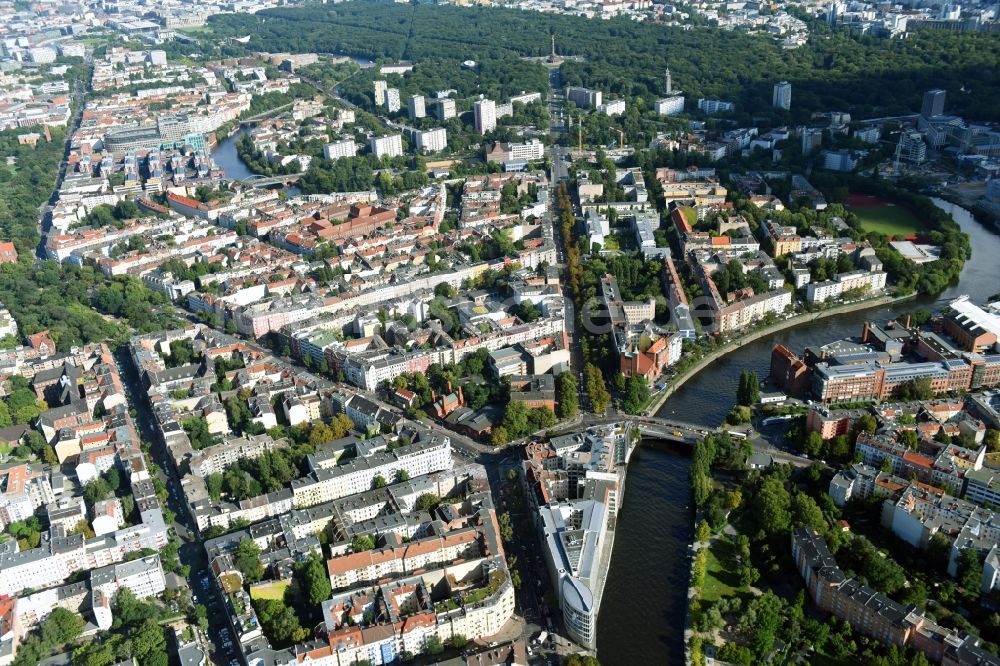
(884, 217)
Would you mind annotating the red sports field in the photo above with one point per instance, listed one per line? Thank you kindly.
(866, 201)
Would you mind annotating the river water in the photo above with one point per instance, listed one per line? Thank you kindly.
(228, 159)
(645, 601)
(642, 612)
(225, 156)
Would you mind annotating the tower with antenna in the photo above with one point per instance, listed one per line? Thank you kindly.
(668, 84)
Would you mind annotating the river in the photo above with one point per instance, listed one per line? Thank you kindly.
(644, 606)
(225, 156)
(645, 601)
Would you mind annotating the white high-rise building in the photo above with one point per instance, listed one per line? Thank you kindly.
(669, 106)
(416, 107)
(485, 112)
(387, 146)
(338, 149)
(432, 141)
(782, 96)
(392, 100)
(446, 109)
(380, 89)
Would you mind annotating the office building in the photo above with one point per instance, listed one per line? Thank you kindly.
(416, 108)
(338, 149)
(933, 104)
(485, 112)
(781, 98)
(42, 54)
(387, 146)
(912, 148)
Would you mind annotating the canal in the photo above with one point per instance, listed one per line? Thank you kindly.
(645, 601)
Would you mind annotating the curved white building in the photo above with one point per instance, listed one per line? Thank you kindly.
(574, 533)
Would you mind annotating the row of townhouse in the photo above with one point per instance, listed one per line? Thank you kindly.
(59, 556)
(143, 577)
(256, 316)
(744, 308)
(431, 453)
(945, 468)
(876, 615)
(205, 241)
(86, 380)
(370, 369)
(367, 567)
(75, 243)
(413, 620)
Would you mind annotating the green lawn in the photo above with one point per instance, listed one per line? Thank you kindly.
(690, 214)
(274, 590)
(720, 581)
(195, 30)
(893, 221)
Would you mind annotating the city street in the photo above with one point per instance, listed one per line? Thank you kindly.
(192, 553)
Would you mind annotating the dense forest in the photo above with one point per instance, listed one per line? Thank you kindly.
(835, 70)
(27, 178)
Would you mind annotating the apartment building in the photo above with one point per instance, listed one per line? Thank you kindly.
(433, 141)
(874, 614)
(415, 107)
(428, 455)
(669, 106)
(386, 146)
(338, 149)
(485, 115)
(863, 282)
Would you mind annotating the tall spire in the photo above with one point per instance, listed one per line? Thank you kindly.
(553, 46)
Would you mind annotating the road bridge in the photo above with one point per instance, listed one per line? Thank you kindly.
(264, 114)
(268, 181)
